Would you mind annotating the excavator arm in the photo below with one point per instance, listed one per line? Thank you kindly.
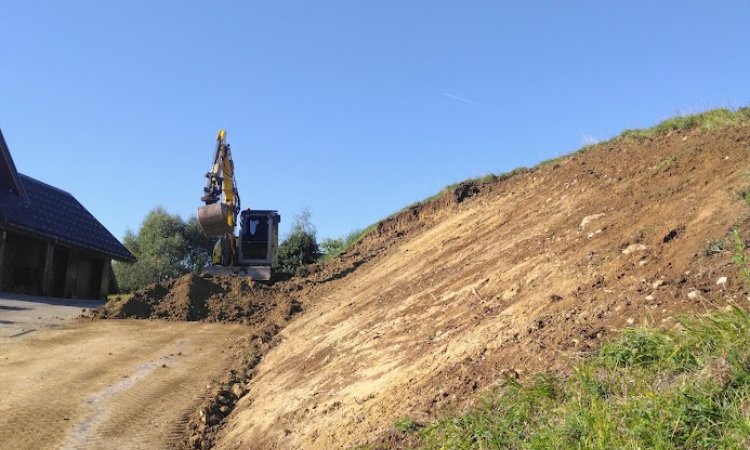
(222, 203)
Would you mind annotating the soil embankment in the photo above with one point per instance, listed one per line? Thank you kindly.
(525, 274)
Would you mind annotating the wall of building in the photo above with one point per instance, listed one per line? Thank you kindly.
(35, 266)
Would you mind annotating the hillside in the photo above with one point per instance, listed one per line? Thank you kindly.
(508, 277)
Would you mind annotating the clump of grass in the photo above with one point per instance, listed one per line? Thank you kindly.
(126, 296)
(715, 247)
(739, 256)
(744, 194)
(710, 120)
(647, 389)
(405, 425)
(664, 164)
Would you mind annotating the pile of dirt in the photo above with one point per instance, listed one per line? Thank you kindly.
(209, 298)
(529, 273)
(264, 308)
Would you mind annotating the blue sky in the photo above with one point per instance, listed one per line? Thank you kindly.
(353, 109)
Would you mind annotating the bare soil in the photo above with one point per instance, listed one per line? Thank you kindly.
(209, 298)
(526, 274)
(110, 385)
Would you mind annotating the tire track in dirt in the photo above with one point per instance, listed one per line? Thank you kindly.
(109, 385)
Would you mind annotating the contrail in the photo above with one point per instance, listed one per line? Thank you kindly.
(461, 99)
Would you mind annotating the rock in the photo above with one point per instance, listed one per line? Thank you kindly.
(634, 248)
(649, 298)
(722, 281)
(225, 410)
(586, 220)
(657, 283)
(694, 295)
(238, 390)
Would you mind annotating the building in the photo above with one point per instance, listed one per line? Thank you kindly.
(50, 244)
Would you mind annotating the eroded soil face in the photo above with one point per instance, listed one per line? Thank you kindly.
(523, 275)
(110, 384)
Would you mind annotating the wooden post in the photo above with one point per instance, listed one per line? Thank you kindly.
(3, 236)
(47, 271)
(104, 289)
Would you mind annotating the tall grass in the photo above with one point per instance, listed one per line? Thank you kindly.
(705, 121)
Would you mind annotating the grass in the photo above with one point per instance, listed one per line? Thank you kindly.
(739, 256)
(715, 247)
(706, 121)
(121, 296)
(664, 164)
(745, 195)
(405, 425)
(648, 389)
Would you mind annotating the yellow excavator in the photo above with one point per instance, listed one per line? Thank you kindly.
(252, 253)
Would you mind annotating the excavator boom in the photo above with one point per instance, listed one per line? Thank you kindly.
(222, 200)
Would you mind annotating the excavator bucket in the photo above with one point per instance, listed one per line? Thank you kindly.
(214, 219)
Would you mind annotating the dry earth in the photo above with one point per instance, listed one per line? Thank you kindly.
(435, 305)
(525, 274)
(109, 385)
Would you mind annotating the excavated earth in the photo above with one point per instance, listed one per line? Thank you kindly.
(211, 299)
(528, 273)
(439, 302)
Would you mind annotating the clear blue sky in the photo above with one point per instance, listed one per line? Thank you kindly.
(351, 108)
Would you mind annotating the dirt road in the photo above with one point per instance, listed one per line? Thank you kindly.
(24, 314)
(108, 384)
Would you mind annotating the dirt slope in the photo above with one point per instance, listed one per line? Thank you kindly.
(109, 385)
(521, 275)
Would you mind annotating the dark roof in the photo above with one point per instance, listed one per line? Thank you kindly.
(55, 214)
(8, 175)
(46, 211)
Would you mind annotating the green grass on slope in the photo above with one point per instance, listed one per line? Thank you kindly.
(714, 119)
(649, 389)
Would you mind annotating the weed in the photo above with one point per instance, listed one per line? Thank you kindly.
(739, 256)
(715, 247)
(707, 121)
(744, 194)
(664, 164)
(405, 425)
(119, 296)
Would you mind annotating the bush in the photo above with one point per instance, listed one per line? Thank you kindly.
(166, 247)
(330, 248)
(299, 249)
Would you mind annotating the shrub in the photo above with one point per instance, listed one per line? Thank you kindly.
(165, 247)
(299, 249)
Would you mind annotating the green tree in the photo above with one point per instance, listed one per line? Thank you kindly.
(331, 246)
(166, 247)
(300, 247)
